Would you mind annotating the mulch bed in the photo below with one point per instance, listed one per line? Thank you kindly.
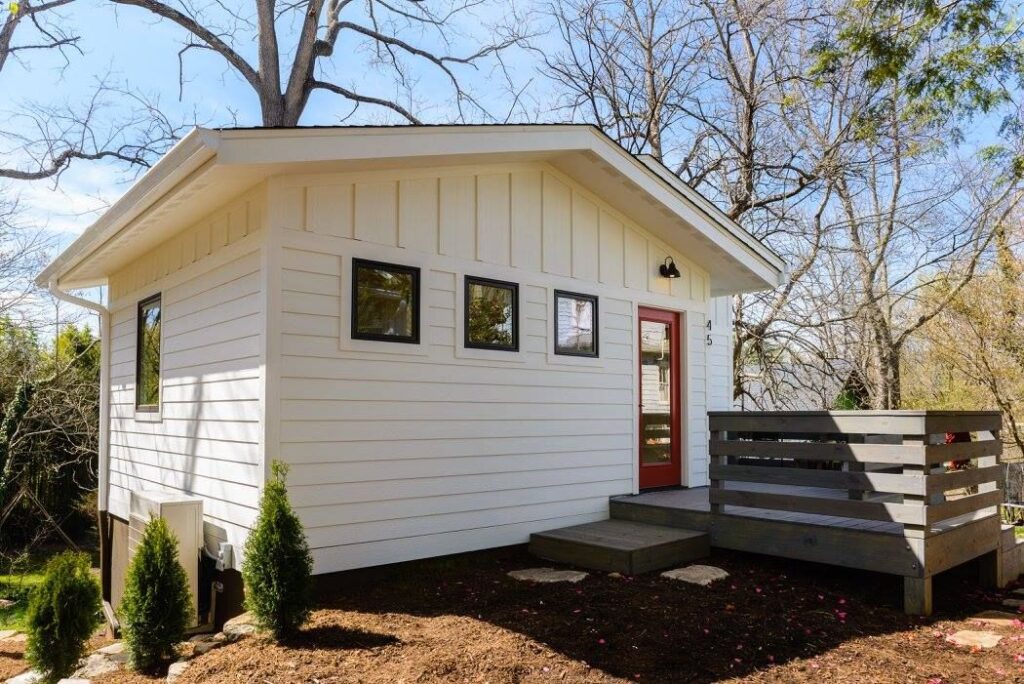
(461, 619)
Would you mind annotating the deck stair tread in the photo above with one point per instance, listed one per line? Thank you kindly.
(621, 545)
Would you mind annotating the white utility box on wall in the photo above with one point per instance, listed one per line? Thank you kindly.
(184, 516)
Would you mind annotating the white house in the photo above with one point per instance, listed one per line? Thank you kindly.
(455, 335)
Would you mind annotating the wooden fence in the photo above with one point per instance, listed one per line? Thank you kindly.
(889, 466)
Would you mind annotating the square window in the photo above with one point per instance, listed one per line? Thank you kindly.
(575, 324)
(385, 302)
(492, 314)
(147, 355)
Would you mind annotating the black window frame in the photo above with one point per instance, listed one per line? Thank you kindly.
(490, 282)
(414, 271)
(143, 304)
(597, 325)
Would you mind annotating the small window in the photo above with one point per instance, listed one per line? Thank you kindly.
(147, 361)
(575, 324)
(491, 315)
(385, 302)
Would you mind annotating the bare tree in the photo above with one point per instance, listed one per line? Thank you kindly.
(295, 41)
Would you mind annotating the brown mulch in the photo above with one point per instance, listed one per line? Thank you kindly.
(12, 655)
(461, 619)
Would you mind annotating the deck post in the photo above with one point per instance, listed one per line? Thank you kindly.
(713, 484)
(917, 595)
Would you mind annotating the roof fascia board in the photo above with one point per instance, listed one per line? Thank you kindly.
(188, 155)
(278, 146)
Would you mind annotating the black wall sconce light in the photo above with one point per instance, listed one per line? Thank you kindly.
(668, 269)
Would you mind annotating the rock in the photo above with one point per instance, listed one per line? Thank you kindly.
(175, 670)
(7, 603)
(996, 618)
(704, 575)
(73, 680)
(1019, 592)
(115, 648)
(235, 632)
(1013, 603)
(97, 664)
(547, 575)
(18, 638)
(615, 575)
(29, 677)
(974, 639)
(6, 634)
(204, 647)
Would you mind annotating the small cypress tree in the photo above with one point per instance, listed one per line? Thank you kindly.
(156, 606)
(63, 612)
(278, 567)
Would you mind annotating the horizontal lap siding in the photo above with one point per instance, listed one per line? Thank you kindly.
(207, 441)
(397, 455)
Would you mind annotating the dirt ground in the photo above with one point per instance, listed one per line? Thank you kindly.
(461, 619)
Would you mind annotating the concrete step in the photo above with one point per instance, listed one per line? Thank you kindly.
(620, 546)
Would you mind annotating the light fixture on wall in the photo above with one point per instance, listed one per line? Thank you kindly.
(668, 269)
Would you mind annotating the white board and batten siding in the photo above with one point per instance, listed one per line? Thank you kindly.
(206, 439)
(406, 451)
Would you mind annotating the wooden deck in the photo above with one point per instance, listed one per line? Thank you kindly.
(871, 490)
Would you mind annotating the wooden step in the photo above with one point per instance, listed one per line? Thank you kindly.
(644, 509)
(620, 546)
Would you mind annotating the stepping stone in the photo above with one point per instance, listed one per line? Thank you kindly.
(6, 634)
(1013, 603)
(73, 680)
(703, 575)
(974, 639)
(30, 677)
(996, 618)
(547, 575)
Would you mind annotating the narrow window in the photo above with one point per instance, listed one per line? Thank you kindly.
(385, 302)
(575, 324)
(491, 315)
(147, 361)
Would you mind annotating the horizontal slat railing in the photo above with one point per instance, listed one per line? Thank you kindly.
(891, 466)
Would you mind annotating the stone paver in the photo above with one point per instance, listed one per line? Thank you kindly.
(547, 575)
(996, 618)
(703, 575)
(974, 639)
(1013, 603)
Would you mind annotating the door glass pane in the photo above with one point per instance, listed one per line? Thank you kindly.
(655, 393)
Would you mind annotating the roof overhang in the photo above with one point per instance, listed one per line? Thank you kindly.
(209, 165)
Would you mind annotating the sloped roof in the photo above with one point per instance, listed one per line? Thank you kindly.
(208, 166)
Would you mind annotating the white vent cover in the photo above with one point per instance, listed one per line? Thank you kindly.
(184, 516)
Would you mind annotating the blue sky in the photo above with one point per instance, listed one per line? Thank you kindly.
(128, 46)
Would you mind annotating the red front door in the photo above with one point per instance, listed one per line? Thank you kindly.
(660, 452)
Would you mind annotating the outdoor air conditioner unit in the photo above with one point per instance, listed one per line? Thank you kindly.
(184, 516)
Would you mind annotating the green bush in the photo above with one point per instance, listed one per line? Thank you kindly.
(277, 566)
(63, 612)
(156, 606)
